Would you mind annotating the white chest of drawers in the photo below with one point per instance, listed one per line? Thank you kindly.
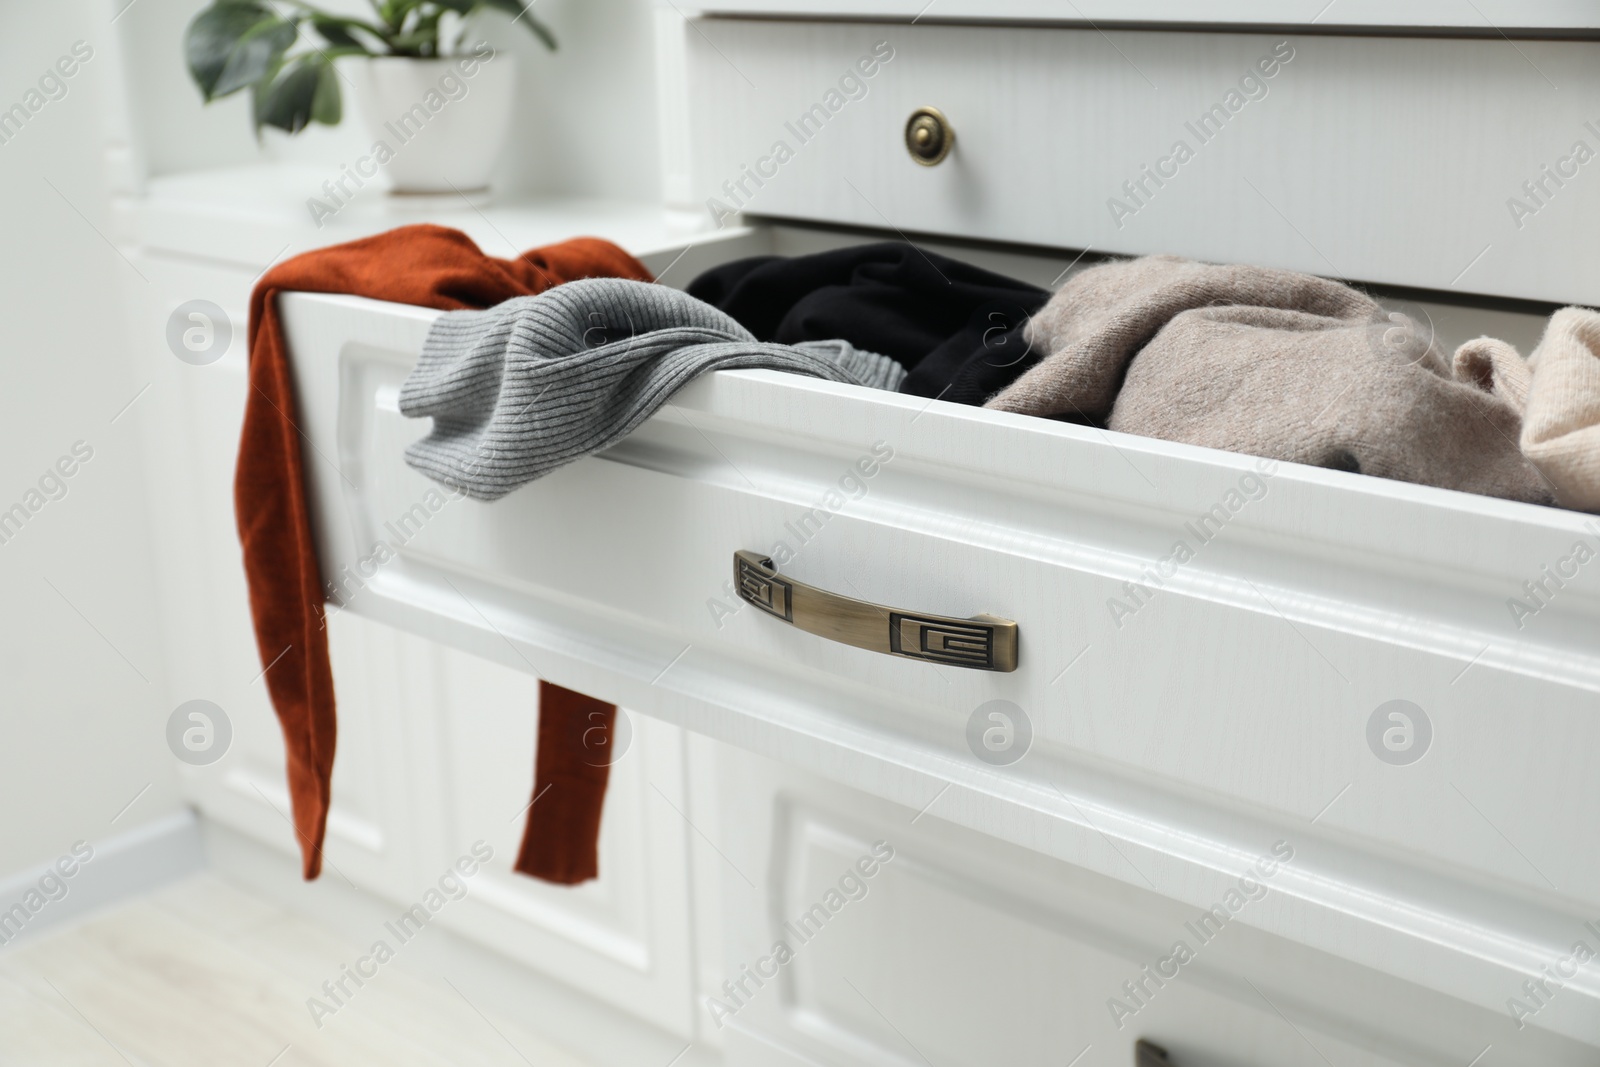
(1198, 732)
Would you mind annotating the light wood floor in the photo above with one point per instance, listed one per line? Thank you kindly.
(204, 973)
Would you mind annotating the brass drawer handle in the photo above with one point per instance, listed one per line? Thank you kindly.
(983, 642)
(929, 137)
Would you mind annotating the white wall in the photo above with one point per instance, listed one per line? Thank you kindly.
(588, 122)
(82, 694)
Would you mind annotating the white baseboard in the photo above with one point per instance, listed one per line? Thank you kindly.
(121, 868)
(590, 1029)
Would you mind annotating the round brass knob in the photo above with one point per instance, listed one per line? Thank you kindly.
(929, 137)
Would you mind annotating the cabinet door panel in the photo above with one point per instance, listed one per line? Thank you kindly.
(623, 937)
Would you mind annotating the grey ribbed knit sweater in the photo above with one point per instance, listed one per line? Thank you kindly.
(524, 387)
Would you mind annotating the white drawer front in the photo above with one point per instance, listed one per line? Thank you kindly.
(1230, 707)
(1407, 161)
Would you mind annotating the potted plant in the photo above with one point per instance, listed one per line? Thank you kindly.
(438, 113)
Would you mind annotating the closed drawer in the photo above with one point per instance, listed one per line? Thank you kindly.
(973, 952)
(1431, 162)
(1187, 713)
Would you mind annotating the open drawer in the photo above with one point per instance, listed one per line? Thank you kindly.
(1166, 725)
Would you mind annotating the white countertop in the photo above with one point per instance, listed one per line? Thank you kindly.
(258, 215)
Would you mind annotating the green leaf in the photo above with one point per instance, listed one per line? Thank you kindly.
(211, 35)
(460, 7)
(327, 106)
(394, 12)
(523, 13)
(335, 32)
(339, 33)
(306, 91)
(234, 43)
(258, 51)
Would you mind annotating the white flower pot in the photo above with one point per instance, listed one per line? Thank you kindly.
(438, 125)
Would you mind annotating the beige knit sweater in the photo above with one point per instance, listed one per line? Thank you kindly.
(1291, 367)
(1561, 428)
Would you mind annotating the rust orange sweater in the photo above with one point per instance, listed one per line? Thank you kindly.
(435, 267)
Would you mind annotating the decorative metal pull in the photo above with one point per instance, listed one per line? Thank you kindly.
(983, 642)
(929, 137)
